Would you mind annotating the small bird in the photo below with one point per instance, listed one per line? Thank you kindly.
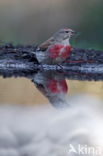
(56, 49)
(52, 85)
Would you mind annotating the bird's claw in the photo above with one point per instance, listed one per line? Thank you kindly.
(58, 65)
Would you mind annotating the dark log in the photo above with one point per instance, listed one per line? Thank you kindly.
(82, 64)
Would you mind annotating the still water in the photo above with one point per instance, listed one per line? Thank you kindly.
(41, 87)
(69, 120)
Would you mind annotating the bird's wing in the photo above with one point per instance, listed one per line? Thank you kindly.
(44, 46)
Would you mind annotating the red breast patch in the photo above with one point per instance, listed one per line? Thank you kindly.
(66, 52)
(55, 51)
(55, 86)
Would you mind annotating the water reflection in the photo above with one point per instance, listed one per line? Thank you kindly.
(46, 131)
(52, 83)
(53, 86)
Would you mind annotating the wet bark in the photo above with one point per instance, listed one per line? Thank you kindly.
(82, 64)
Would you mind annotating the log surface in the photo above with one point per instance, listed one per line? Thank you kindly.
(82, 64)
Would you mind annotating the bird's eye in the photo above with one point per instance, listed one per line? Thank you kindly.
(66, 31)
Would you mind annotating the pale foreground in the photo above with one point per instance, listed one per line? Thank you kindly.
(45, 131)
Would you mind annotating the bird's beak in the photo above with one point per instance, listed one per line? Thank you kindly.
(75, 33)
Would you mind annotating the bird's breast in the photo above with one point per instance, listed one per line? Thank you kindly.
(59, 50)
(65, 51)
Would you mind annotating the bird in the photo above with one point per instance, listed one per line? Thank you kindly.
(56, 49)
(53, 86)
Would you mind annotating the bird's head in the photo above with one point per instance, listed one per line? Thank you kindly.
(64, 34)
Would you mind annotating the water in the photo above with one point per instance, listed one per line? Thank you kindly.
(59, 129)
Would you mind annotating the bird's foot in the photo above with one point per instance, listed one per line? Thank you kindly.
(41, 67)
(60, 67)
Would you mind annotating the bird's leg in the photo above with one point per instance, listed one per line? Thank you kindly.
(41, 67)
(59, 65)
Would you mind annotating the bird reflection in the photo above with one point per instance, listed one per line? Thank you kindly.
(50, 81)
(53, 86)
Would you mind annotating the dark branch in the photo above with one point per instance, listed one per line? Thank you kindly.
(84, 64)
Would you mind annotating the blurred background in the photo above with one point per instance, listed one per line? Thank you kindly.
(34, 21)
